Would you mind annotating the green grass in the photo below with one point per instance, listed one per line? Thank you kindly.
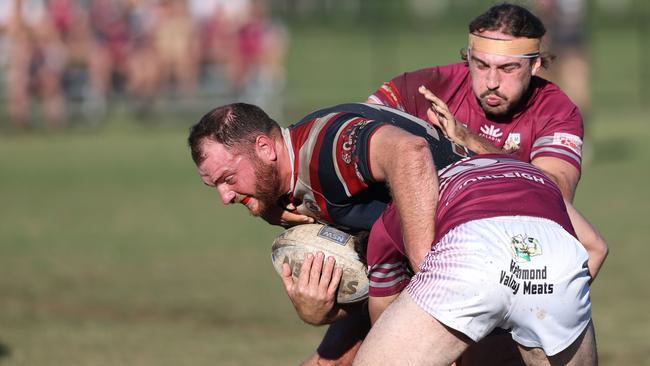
(112, 252)
(613, 193)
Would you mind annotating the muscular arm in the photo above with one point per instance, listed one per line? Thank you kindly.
(590, 238)
(565, 175)
(404, 162)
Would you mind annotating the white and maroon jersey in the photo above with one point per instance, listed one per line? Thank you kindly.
(478, 187)
(332, 178)
(546, 124)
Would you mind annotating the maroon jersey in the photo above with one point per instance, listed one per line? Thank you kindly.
(547, 124)
(389, 271)
(479, 187)
(496, 185)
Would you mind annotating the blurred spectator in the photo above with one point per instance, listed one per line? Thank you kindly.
(92, 50)
(256, 67)
(109, 46)
(71, 23)
(142, 68)
(566, 21)
(250, 49)
(36, 61)
(177, 46)
(219, 22)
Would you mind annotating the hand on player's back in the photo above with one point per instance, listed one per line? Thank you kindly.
(313, 294)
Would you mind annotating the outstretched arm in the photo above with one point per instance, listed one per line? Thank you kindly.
(590, 238)
(404, 162)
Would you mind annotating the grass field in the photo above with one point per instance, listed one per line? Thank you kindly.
(113, 253)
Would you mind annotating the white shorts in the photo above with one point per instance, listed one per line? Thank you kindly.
(521, 273)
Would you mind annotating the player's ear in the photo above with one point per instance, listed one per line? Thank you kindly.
(265, 148)
(537, 64)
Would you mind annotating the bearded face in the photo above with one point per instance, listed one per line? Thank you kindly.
(267, 188)
(240, 176)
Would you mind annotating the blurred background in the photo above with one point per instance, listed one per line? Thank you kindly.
(113, 252)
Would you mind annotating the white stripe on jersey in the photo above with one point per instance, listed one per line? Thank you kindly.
(286, 136)
(375, 100)
(303, 187)
(398, 272)
(544, 140)
(386, 274)
(394, 269)
(389, 283)
(385, 266)
(555, 150)
(550, 145)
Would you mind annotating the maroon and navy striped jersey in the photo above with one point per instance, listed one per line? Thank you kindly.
(547, 124)
(479, 187)
(332, 178)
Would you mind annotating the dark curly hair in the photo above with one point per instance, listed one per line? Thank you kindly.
(513, 20)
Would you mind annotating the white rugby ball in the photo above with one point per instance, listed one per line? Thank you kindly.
(292, 245)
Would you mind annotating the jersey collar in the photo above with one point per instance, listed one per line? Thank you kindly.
(286, 136)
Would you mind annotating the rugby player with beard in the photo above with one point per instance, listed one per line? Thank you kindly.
(335, 166)
(494, 101)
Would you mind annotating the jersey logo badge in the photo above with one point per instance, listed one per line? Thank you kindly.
(570, 141)
(350, 136)
(491, 132)
(524, 247)
(512, 142)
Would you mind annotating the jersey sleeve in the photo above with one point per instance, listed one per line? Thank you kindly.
(402, 91)
(389, 94)
(350, 156)
(388, 269)
(340, 173)
(562, 133)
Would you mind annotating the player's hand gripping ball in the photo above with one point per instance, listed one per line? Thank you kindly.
(292, 245)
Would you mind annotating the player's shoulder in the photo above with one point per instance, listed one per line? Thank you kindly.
(323, 121)
(433, 74)
(549, 98)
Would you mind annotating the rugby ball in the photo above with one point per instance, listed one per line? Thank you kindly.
(292, 245)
